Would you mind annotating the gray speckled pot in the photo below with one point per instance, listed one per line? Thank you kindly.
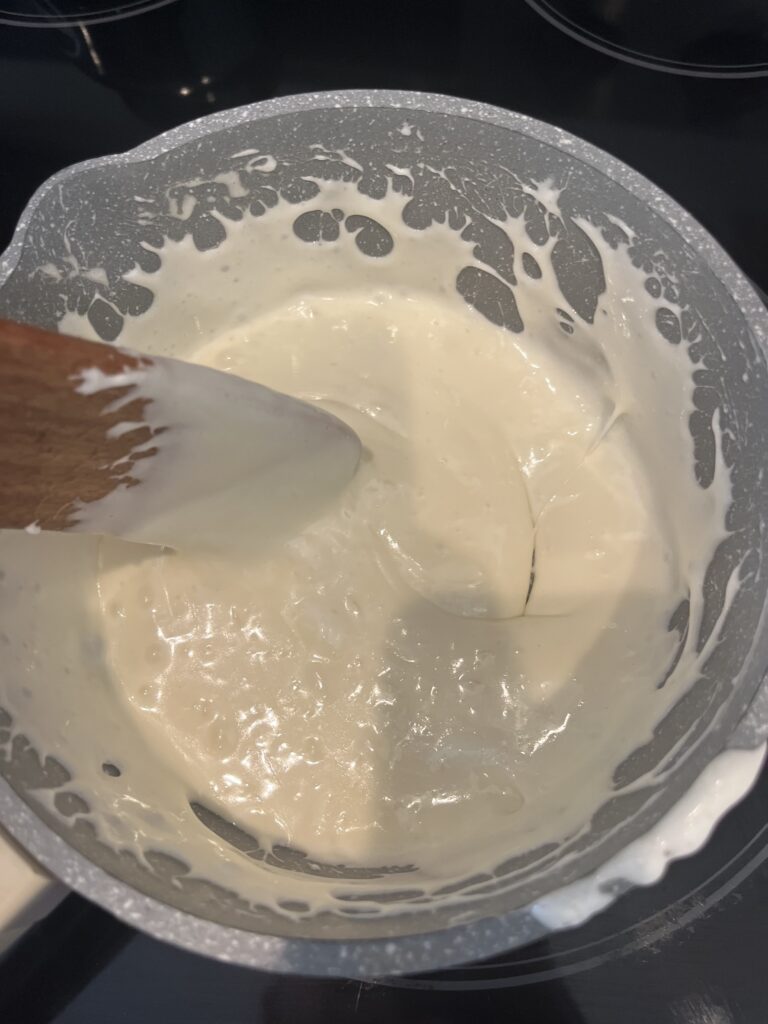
(115, 212)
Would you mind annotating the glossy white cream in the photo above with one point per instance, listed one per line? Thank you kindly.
(384, 686)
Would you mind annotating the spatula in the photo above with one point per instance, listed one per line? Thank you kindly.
(99, 439)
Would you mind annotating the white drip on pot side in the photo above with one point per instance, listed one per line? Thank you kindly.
(681, 832)
(500, 734)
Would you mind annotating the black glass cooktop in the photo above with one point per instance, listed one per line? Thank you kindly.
(81, 79)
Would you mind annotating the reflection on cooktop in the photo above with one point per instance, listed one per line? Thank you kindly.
(722, 40)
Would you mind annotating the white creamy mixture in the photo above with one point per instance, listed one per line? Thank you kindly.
(291, 460)
(446, 666)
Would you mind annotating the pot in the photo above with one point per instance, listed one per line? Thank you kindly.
(117, 212)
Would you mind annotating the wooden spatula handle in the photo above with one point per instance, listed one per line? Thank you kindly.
(55, 452)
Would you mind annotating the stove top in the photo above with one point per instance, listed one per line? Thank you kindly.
(78, 80)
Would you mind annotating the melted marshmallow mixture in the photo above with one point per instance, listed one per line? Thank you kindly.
(444, 667)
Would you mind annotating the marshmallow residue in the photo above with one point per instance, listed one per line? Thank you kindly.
(443, 667)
